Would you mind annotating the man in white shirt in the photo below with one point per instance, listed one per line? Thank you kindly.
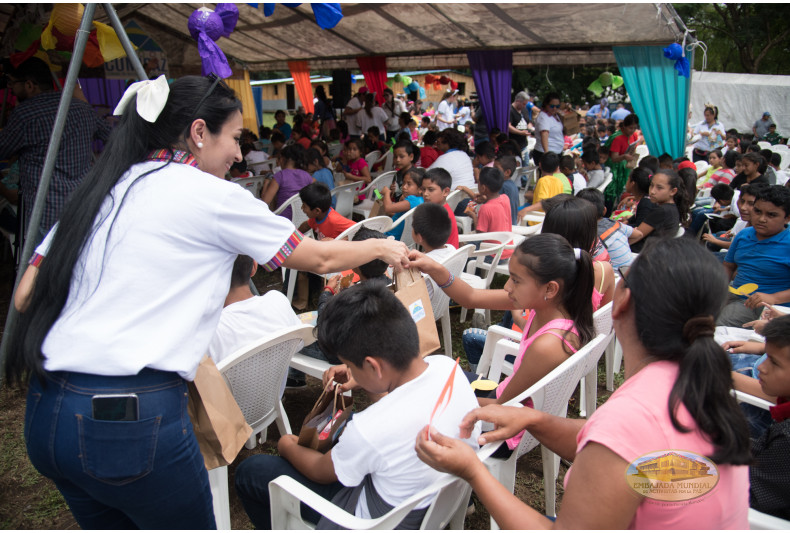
(245, 317)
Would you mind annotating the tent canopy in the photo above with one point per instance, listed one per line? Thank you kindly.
(418, 35)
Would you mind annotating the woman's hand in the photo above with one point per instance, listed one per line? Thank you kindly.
(423, 263)
(752, 347)
(394, 253)
(508, 421)
(446, 454)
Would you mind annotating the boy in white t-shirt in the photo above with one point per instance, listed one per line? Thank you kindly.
(430, 229)
(245, 317)
(374, 466)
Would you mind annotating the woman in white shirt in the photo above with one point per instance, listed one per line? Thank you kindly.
(711, 132)
(549, 128)
(128, 296)
(445, 116)
(371, 115)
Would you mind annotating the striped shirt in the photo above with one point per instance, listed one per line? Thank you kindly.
(28, 134)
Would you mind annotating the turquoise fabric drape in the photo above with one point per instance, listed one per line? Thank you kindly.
(659, 96)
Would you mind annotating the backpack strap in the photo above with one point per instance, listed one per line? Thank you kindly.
(608, 233)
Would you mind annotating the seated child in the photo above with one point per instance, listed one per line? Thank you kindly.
(592, 165)
(507, 164)
(568, 169)
(404, 119)
(484, 157)
(428, 153)
(745, 203)
(404, 155)
(325, 222)
(494, 213)
(245, 317)
(430, 229)
(435, 189)
(423, 129)
(278, 141)
(550, 184)
(301, 137)
(374, 335)
(772, 136)
(322, 147)
(722, 195)
(288, 181)
(373, 141)
(239, 170)
(314, 164)
(354, 167)
(414, 135)
(615, 235)
(769, 490)
(410, 198)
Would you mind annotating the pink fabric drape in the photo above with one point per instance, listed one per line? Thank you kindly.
(375, 71)
(300, 72)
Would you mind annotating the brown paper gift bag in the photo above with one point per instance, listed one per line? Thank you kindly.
(325, 422)
(219, 425)
(411, 290)
(377, 209)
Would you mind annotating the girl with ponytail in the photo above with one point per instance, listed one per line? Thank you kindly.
(551, 279)
(120, 302)
(675, 400)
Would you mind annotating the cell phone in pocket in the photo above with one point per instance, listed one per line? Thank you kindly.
(116, 407)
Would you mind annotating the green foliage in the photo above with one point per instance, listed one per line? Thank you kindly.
(570, 82)
(752, 38)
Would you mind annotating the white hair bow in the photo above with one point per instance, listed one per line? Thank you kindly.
(151, 98)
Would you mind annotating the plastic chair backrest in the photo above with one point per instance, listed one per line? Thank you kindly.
(254, 184)
(255, 373)
(607, 179)
(384, 180)
(454, 198)
(345, 195)
(602, 319)
(371, 159)
(298, 216)
(440, 302)
(382, 224)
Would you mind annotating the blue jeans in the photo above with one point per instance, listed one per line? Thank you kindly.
(474, 340)
(757, 418)
(252, 486)
(145, 474)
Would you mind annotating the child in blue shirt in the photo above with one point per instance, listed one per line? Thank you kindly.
(315, 163)
(411, 197)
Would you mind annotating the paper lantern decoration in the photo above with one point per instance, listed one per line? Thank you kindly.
(406, 80)
(206, 26)
(397, 78)
(453, 85)
(674, 52)
(413, 87)
(606, 79)
(327, 15)
(353, 79)
(389, 83)
(58, 38)
(429, 78)
(422, 93)
(444, 80)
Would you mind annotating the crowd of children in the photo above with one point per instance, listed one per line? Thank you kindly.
(604, 207)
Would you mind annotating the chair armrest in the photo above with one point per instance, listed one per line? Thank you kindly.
(743, 397)
(493, 336)
(758, 520)
(309, 365)
(285, 496)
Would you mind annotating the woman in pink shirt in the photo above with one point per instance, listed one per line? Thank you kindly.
(675, 399)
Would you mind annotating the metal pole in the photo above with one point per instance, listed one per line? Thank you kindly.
(49, 166)
(127, 44)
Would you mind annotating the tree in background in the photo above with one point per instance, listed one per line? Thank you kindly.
(752, 38)
(570, 82)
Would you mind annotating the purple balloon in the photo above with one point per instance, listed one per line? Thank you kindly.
(230, 16)
(208, 22)
(206, 27)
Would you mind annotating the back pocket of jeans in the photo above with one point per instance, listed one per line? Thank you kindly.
(117, 452)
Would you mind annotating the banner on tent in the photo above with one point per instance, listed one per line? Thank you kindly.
(150, 53)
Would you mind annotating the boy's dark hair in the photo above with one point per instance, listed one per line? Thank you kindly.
(374, 268)
(664, 160)
(242, 271)
(753, 148)
(368, 320)
(374, 130)
(405, 117)
(567, 163)
(730, 158)
(549, 163)
(239, 166)
(650, 162)
(507, 162)
(753, 189)
(502, 138)
(264, 132)
(432, 223)
(35, 70)
(777, 332)
(591, 156)
(509, 148)
(603, 153)
(776, 159)
(485, 149)
(316, 195)
(454, 139)
(403, 137)
(440, 177)
(595, 197)
(777, 195)
(277, 137)
(767, 154)
(492, 178)
(246, 148)
(425, 119)
(722, 191)
(429, 138)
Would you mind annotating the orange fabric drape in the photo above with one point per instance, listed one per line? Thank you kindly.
(243, 92)
(301, 75)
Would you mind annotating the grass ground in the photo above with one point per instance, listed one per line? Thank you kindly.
(30, 501)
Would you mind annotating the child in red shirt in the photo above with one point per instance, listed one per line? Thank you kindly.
(494, 214)
(325, 222)
(435, 189)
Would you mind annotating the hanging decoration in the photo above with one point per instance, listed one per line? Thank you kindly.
(206, 26)
(55, 43)
(606, 79)
(674, 52)
(327, 15)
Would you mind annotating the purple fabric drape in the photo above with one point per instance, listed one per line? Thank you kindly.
(103, 92)
(492, 71)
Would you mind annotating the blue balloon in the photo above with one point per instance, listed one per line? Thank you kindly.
(353, 79)
(422, 93)
(675, 52)
(413, 87)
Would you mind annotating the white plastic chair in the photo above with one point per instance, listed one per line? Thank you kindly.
(382, 224)
(371, 158)
(764, 145)
(298, 216)
(702, 167)
(253, 184)
(386, 167)
(263, 167)
(478, 260)
(642, 151)
(784, 151)
(549, 395)
(447, 510)
(440, 302)
(607, 179)
(345, 195)
(405, 221)
(588, 391)
(363, 208)
(454, 198)
(255, 375)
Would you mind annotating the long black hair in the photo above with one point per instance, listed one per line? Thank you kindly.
(549, 257)
(678, 288)
(681, 198)
(190, 98)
